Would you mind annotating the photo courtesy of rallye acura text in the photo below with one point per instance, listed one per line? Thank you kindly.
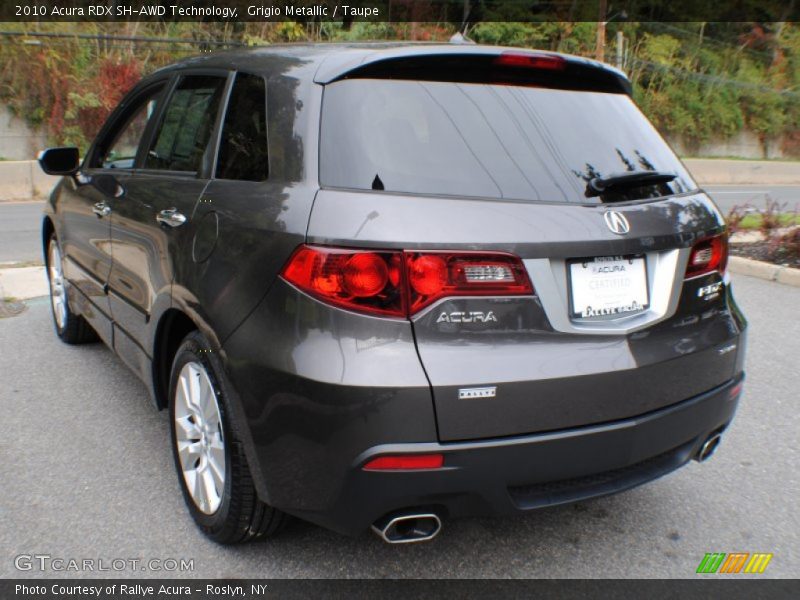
(379, 286)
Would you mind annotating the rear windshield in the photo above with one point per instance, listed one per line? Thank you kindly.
(492, 141)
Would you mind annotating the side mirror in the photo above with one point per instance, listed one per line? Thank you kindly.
(60, 161)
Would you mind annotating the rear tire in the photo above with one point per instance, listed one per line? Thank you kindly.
(209, 457)
(72, 328)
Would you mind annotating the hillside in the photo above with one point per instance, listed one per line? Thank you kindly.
(711, 88)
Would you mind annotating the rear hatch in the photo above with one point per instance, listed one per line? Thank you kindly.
(530, 155)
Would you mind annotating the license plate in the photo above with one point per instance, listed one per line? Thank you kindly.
(608, 286)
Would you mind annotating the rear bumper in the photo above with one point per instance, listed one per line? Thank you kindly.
(513, 475)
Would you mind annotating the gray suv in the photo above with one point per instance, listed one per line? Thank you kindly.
(383, 284)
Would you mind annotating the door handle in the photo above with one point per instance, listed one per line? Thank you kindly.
(170, 217)
(101, 209)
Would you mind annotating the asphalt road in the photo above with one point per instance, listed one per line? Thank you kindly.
(20, 222)
(20, 226)
(728, 196)
(86, 473)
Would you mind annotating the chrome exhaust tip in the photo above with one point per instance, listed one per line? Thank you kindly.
(708, 447)
(408, 528)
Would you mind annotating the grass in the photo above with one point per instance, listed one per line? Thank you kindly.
(753, 221)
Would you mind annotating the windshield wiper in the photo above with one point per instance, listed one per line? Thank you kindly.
(601, 185)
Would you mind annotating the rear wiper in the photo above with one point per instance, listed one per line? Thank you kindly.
(601, 185)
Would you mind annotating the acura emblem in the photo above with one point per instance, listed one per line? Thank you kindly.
(617, 222)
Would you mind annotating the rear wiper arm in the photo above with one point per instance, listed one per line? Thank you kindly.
(601, 185)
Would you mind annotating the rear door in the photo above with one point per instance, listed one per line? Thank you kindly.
(468, 167)
(241, 235)
(152, 227)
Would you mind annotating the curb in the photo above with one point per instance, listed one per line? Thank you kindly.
(22, 283)
(763, 270)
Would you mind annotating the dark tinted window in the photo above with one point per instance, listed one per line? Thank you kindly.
(185, 129)
(496, 141)
(243, 148)
(118, 150)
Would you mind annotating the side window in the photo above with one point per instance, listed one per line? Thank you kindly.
(120, 151)
(184, 131)
(243, 147)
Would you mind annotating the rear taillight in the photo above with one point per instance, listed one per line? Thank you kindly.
(708, 255)
(432, 276)
(400, 284)
(363, 281)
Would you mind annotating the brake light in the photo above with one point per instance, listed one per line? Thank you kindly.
(528, 60)
(399, 284)
(708, 255)
(410, 461)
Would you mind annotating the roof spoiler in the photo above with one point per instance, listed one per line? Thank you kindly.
(475, 64)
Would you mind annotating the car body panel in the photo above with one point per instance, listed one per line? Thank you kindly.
(317, 388)
(146, 254)
(245, 230)
(85, 240)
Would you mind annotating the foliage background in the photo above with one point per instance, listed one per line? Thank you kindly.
(699, 81)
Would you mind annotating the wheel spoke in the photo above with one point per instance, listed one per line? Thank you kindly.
(190, 453)
(216, 466)
(186, 429)
(205, 400)
(194, 388)
(182, 397)
(190, 477)
(200, 491)
(212, 489)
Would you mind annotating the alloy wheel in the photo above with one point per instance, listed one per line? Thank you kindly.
(199, 438)
(58, 293)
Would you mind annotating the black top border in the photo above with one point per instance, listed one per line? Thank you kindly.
(442, 11)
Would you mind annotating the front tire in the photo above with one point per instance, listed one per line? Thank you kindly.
(212, 468)
(72, 328)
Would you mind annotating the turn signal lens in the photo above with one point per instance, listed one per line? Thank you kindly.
(399, 284)
(708, 255)
(408, 462)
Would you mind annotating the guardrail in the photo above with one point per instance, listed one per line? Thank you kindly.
(23, 180)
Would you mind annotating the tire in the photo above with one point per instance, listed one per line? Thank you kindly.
(226, 508)
(72, 328)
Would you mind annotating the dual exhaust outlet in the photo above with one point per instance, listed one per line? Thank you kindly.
(407, 528)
